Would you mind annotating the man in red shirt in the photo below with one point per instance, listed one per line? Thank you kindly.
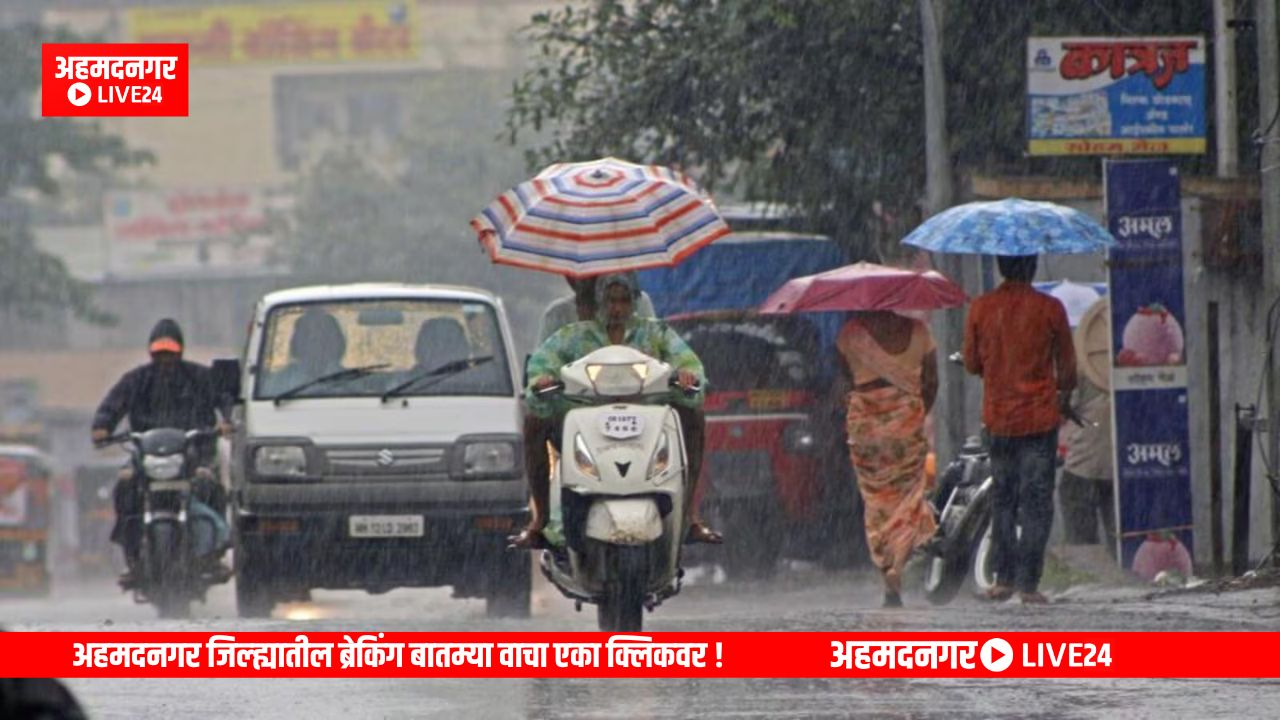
(1018, 340)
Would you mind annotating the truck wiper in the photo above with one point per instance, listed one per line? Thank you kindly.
(439, 373)
(346, 374)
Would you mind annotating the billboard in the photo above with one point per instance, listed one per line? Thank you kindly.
(1116, 96)
(1149, 370)
(176, 231)
(323, 32)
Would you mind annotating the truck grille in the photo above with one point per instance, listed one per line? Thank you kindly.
(387, 461)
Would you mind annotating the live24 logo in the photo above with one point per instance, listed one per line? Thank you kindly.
(114, 80)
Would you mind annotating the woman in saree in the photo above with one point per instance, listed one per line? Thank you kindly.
(892, 364)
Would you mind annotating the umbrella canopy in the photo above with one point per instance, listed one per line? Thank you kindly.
(865, 286)
(591, 218)
(1077, 298)
(1011, 227)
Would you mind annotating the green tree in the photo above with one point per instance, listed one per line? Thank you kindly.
(810, 102)
(35, 150)
(357, 218)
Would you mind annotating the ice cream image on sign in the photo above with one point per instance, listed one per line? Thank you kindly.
(1152, 336)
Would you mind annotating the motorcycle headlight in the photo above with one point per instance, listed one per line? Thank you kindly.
(163, 467)
(488, 458)
(582, 457)
(280, 461)
(661, 459)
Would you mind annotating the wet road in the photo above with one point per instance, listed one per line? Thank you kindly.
(800, 600)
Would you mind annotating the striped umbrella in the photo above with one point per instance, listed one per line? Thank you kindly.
(591, 218)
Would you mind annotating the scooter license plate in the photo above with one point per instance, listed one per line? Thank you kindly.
(386, 526)
(621, 426)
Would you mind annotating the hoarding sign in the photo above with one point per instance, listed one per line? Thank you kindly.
(1116, 96)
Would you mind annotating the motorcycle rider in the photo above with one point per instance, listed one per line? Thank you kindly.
(167, 392)
(615, 324)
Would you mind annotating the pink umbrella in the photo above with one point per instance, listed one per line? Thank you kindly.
(865, 286)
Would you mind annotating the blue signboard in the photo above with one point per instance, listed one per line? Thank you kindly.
(1116, 95)
(1149, 372)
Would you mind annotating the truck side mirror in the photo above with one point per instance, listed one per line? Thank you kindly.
(524, 382)
(226, 378)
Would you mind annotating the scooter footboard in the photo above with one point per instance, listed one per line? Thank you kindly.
(624, 521)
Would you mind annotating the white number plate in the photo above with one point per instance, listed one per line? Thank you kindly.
(621, 427)
(381, 526)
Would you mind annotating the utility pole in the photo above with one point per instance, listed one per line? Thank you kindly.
(1269, 108)
(948, 327)
(1227, 151)
(938, 192)
(1224, 80)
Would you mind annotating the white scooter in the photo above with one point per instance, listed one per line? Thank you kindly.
(620, 489)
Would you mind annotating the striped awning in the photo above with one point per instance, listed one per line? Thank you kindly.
(591, 218)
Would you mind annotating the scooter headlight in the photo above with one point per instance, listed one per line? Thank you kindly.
(582, 457)
(661, 459)
(162, 467)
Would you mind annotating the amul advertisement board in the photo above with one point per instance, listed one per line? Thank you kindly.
(1149, 368)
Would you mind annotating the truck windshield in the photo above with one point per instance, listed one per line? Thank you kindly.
(391, 340)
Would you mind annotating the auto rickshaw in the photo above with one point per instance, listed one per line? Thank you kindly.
(24, 520)
(775, 472)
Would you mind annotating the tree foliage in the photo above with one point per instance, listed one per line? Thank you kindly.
(37, 151)
(357, 218)
(809, 102)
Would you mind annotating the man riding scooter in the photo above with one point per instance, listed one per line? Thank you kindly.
(168, 392)
(616, 324)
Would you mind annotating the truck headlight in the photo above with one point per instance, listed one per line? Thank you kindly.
(163, 467)
(280, 461)
(488, 458)
(582, 457)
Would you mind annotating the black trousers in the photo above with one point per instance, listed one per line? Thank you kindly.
(1022, 508)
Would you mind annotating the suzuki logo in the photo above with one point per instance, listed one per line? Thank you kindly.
(623, 468)
(386, 458)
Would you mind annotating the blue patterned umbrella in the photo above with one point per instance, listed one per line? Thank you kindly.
(1011, 227)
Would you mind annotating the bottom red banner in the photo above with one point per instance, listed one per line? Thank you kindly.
(657, 655)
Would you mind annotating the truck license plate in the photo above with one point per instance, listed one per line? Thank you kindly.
(621, 427)
(386, 526)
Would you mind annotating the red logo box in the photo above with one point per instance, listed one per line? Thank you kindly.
(114, 80)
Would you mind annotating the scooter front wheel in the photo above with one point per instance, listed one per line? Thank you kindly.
(621, 608)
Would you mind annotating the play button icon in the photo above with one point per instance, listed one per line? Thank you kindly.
(996, 655)
(79, 94)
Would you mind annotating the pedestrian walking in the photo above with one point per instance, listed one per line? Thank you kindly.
(1019, 342)
(892, 364)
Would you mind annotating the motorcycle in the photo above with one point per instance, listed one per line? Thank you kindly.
(179, 533)
(962, 545)
(620, 489)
